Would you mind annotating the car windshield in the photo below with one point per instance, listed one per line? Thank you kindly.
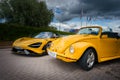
(44, 35)
(89, 30)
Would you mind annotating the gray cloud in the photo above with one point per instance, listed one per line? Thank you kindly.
(94, 8)
(103, 7)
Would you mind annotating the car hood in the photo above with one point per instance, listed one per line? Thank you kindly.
(27, 41)
(61, 44)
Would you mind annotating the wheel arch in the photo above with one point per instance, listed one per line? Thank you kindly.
(96, 55)
(81, 47)
(44, 47)
(87, 63)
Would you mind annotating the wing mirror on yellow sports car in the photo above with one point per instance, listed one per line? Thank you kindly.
(104, 36)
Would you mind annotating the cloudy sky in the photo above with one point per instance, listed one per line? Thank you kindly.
(92, 11)
(92, 8)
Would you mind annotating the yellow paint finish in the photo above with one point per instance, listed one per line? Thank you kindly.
(106, 48)
(26, 41)
(78, 50)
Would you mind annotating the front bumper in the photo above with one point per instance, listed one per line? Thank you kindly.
(20, 50)
(61, 56)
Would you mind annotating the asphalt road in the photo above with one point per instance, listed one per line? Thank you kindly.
(19, 67)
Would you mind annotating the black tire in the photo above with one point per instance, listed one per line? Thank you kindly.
(47, 46)
(87, 60)
(13, 49)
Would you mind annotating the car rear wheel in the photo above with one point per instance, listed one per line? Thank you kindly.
(87, 60)
(48, 44)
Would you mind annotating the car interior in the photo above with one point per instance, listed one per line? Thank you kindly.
(111, 34)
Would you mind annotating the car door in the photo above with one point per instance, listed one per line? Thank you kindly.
(108, 47)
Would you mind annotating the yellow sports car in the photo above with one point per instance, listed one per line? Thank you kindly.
(36, 45)
(89, 45)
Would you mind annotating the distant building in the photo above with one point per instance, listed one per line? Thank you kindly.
(116, 29)
(74, 30)
(107, 29)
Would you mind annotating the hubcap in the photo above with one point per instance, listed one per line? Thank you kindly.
(91, 59)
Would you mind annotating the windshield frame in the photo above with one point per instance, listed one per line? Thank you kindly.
(91, 32)
(44, 35)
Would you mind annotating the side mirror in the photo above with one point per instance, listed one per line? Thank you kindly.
(104, 36)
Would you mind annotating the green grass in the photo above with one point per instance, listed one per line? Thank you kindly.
(10, 32)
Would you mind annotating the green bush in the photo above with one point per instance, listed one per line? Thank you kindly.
(10, 32)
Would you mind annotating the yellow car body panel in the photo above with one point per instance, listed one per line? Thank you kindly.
(22, 44)
(106, 48)
(69, 57)
(109, 49)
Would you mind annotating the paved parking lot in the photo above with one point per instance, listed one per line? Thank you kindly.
(18, 67)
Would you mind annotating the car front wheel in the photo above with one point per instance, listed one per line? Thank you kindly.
(87, 60)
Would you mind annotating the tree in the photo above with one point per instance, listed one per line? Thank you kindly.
(26, 12)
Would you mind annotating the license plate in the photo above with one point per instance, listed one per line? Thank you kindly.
(53, 54)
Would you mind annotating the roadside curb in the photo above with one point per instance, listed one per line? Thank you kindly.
(5, 44)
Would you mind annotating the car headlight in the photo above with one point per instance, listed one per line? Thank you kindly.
(71, 49)
(35, 45)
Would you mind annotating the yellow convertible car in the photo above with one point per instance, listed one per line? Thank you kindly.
(89, 45)
(36, 45)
